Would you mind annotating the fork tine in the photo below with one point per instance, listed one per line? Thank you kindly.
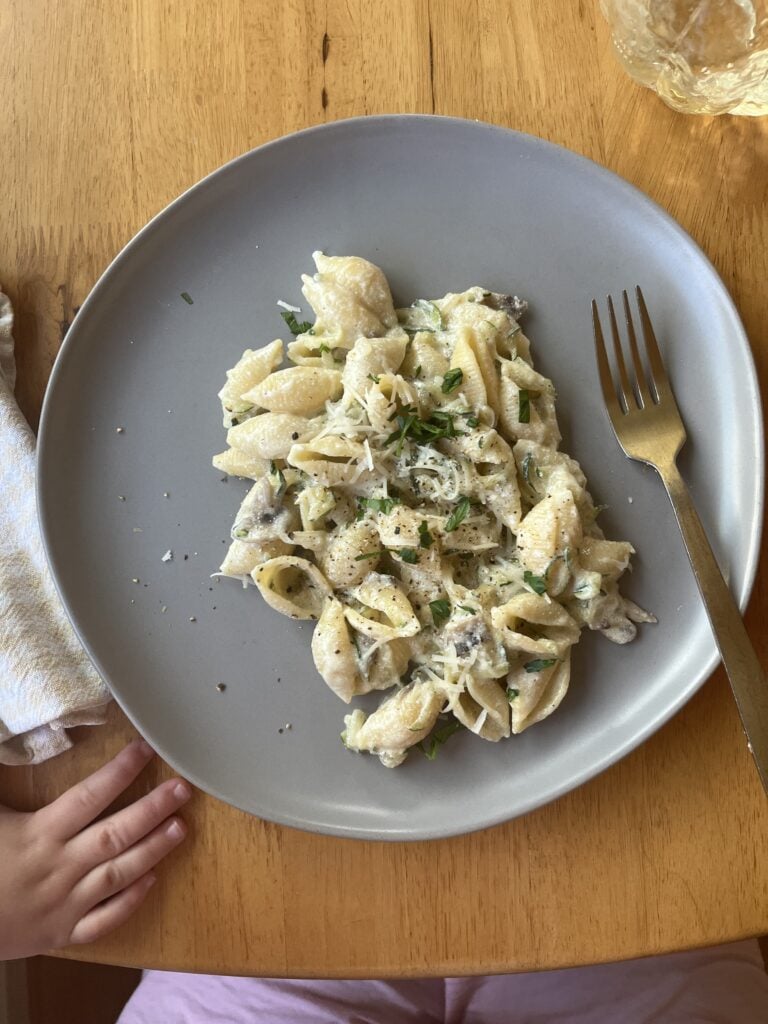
(642, 394)
(659, 378)
(625, 388)
(603, 368)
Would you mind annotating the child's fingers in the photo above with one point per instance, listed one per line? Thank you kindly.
(78, 807)
(107, 839)
(120, 873)
(107, 916)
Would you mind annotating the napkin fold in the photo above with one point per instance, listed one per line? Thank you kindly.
(47, 682)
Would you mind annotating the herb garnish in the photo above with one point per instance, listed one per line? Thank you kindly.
(368, 554)
(538, 664)
(426, 540)
(384, 505)
(458, 515)
(538, 584)
(440, 424)
(512, 693)
(524, 406)
(408, 555)
(281, 484)
(374, 378)
(441, 611)
(529, 466)
(451, 380)
(293, 324)
(187, 298)
(437, 739)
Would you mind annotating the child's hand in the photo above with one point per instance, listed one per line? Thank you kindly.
(64, 879)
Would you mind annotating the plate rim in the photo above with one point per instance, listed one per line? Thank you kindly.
(696, 681)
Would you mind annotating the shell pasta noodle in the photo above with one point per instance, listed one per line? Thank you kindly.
(409, 495)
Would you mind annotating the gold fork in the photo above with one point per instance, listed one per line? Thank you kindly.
(647, 423)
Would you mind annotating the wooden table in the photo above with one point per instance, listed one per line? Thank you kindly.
(112, 115)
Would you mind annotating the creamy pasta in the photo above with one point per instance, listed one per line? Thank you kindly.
(410, 496)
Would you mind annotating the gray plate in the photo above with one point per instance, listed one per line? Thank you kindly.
(440, 204)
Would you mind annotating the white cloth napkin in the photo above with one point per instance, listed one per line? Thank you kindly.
(47, 682)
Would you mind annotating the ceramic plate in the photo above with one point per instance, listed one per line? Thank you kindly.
(439, 204)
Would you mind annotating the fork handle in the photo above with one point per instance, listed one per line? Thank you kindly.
(739, 658)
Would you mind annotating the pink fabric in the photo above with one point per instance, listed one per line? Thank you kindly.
(722, 985)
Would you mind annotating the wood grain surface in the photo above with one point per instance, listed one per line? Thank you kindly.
(111, 110)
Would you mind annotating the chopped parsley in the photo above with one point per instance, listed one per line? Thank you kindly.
(426, 540)
(512, 693)
(459, 514)
(417, 372)
(409, 427)
(466, 608)
(539, 664)
(293, 324)
(472, 420)
(437, 739)
(384, 505)
(528, 467)
(323, 348)
(408, 555)
(368, 554)
(524, 406)
(241, 533)
(187, 298)
(451, 380)
(441, 611)
(374, 378)
(279, 483)
(538, 584)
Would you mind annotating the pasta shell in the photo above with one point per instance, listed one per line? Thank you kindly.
(388, 612)
(333, 652)
(475, 356)
(371, 357)
(538, 693)
(610, 558)
(540, 422)
(484, 709)
(344, 562)
(550, 529)
(329, 460)
(425, 356)
(362, 279)
(237, 463)
(243, 557)
(252, 367)
(292, 586)
(398, 723)
(339, 312)
(271, 435)
(463, 358)
(302, 390)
